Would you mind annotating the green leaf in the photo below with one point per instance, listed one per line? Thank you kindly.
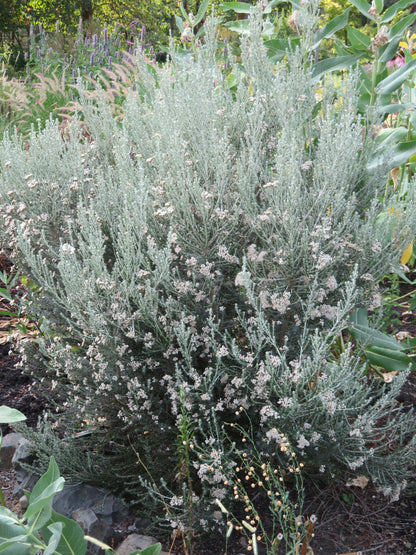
(237, 7)
(390, 360)
(394, 108)
(40, 503)
(12, 541)
(330, 28)
(358, 39)
(179, 23)
(184, 14)
(396, 7)
(359, 317)
(363, 7)
(388, 51)
(396, 156)
(334, 64)
(241, 26)
(5, 294)
(8, 415)
(201, 12)
(393, 81)
(368, 336)
(379, 5)
(278, 48)
(155, 549)
(399, 28)
(56, 532)
(72, 541)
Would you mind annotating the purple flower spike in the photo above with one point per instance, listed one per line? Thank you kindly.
(105, 33)
(57, 27)
(31, 31)
(110, 59)
(143, 34)
(92, 59)
(94, 41)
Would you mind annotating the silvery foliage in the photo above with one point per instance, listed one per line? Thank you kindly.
(213, 244)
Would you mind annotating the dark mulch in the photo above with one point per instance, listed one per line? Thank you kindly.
(350, 520)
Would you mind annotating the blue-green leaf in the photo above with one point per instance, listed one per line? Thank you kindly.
(396, 156)
(8, 415)
(396, 7)
(334, 64)
(201, 12)
(56, 533)
(390, 360)
(363, 7)
(358, 39)
(179, 23)
(330, 28)
(72, 541)
(395, 80)
(237, 7)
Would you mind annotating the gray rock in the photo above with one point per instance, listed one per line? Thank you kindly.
(24, 481)
(134, 542)
(108, 508)
(23, 502)
(95, 527)
(9, 446)
(23, 454)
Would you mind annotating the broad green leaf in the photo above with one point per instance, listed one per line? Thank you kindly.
(394, 108)
(12, 541)
(17, 545)
(398, 155)
(389, 50)
(334, 64)
(277, 48)
(399, 28)
(368, 336)
(40, 503)
(358, 39)
(237, 7)
(8, 415)
(72, 541)
(56, 532)
(179, 23)
(155, 549)
(359, 317)
(363, 7)
(330, 28)
(241, 26)
(5, 294)
(387, 137)
(201, 12)
(396, 7)
(184, 14)
(379, 5)
(390, 360)
(393, 81)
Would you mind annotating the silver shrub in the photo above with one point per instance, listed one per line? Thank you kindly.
(213, 244)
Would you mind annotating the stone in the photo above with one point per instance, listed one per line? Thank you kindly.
(24, 481)
(94, 527)
(9, 446)
(108, 508)
(134, 542)
(23, 502)
(23, 454)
